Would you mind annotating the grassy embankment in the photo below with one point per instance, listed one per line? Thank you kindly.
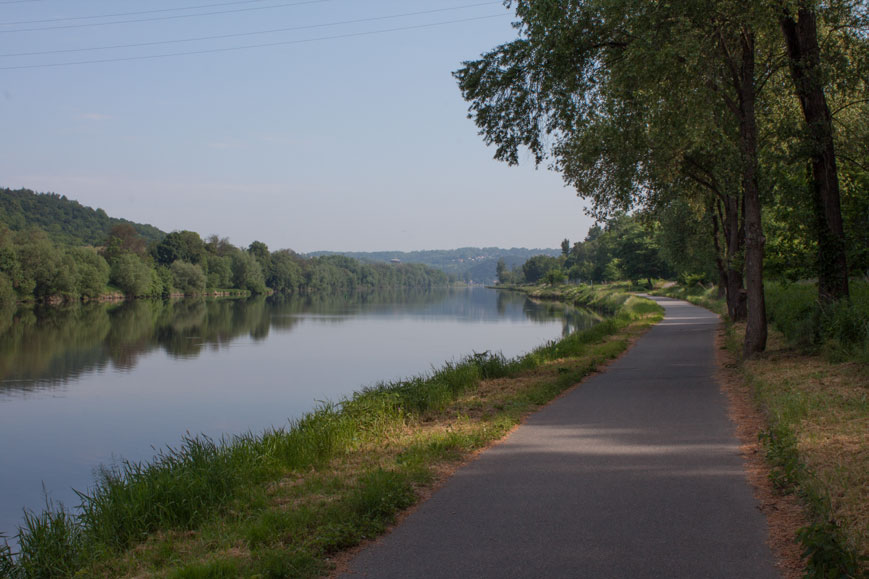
(812, 385)
(284, 503)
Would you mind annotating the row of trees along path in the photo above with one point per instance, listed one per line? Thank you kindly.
(719, 104)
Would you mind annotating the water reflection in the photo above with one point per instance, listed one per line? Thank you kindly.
(83, 385)
(47, 347)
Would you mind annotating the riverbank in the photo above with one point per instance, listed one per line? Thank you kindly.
(288, 502)
(808, 405)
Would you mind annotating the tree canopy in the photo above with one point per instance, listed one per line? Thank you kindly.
(679, 108)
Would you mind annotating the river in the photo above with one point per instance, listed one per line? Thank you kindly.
(86, 385)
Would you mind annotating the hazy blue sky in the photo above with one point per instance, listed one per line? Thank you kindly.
(338, 135)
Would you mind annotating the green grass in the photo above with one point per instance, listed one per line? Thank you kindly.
(840, 330)
(284, 502)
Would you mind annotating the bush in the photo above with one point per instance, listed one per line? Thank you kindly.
(841, 326)
(188, 278)
(92, 272)
(131, 275)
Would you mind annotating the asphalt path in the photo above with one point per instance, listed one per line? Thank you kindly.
(636, 473)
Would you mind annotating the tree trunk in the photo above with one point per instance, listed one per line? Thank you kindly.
(756, 330)
(801, 38)
(719, 259)
(735, 236)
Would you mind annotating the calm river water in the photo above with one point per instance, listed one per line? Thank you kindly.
(86, 385)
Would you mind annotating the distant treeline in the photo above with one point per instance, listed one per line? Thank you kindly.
(36, 267)
(475, 264)
(624, 248)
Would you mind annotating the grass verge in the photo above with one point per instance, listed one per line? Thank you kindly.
(285, 503)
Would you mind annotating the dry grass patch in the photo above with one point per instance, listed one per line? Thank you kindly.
(826, 407)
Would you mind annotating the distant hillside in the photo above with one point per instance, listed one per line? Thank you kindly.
(66, 221)
(467, 263)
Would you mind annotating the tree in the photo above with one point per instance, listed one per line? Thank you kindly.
(184, 245)
(284, 274)
(602, 91)
(639, 254)
(537, 267)
(501, 271)
(40, 265)
(800, 31)
(219, 271)
(555, 276)
(247, 273)
(92, 272)
(123, 238)
(220, 246)
(131, 275)
(187, 277)
(260, 251)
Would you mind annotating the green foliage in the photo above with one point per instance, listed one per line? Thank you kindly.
(219, 271)
(65, 221)
(284, 272)
(39, 265)
(465, 263)
(841, 328)
(50, 544)
(7, 562)
(826, 556)
(247, 273)
(124, 238)
(92, 272)
(187, 278)
(180, 245)
(260, 252)
(7, 292)
(536, 268)
(624, 249)
(39, 269)
(131, 275)
(555, 276)
(685, 238)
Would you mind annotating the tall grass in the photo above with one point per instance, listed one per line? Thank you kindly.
(840, 329)
(183, 487)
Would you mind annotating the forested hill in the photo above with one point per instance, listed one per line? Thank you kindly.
(67, 222)
(476, 264)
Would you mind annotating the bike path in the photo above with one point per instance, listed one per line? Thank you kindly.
(636, 473)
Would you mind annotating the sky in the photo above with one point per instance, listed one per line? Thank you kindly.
(305, 124)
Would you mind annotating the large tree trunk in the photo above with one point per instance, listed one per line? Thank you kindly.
(801, 38)
(755, 331)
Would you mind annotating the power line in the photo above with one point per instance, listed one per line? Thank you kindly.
(197, 7)
(251, 46)
(253, 33)
(156, 18)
